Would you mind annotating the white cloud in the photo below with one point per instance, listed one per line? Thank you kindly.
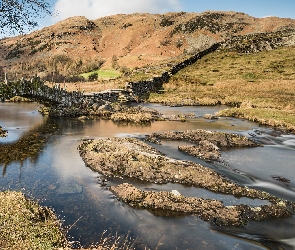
(94, 9)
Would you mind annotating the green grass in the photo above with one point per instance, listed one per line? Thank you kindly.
(272, 117)
(277, 64)
(263, 82)
(103, 74)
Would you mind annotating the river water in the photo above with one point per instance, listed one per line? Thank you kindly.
(58, 178)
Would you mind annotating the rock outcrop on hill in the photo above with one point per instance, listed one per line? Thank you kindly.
(78, 45)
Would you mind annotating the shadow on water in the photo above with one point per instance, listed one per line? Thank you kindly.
(53, 172)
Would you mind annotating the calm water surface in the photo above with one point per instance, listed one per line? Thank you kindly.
(59, 179)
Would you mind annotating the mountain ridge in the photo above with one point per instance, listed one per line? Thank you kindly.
(77, 44)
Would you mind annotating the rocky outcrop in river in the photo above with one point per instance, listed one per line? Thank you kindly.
(207, 144)
(220, 139)
(207, 209)
(124, 114)
(132, 158)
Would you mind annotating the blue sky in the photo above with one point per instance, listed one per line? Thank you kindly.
(93, 9)
(256, 8)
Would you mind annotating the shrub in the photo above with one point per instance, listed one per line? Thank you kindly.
(93, 76)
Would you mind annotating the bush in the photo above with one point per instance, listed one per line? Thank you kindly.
(93, 76)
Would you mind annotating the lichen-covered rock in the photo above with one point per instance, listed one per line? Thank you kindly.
(207, 143)
(220, 139)
(207, 209)
(129, 117)
(210, 116)
(136, 114)
(256, 42)
(132, 158)
(19, 99)
(182, 117)
(205, 150)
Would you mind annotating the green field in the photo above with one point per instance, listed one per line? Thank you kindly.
(103, 74)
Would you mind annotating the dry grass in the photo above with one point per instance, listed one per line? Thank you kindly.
(262, 84)
(25, 225)
(88, 87)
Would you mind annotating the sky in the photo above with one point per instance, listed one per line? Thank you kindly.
(94, 9)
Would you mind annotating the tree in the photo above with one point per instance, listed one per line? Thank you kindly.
(2, 75)
(21, 15)
(93, 76)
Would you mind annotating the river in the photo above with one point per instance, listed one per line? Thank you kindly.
(57, 177)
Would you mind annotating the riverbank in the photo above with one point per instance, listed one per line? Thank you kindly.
(26, 225)
(260, 87)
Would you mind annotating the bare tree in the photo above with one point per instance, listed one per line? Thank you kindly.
(21, 15)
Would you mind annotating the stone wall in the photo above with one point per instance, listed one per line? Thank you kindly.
(143, 88)
(53, 96)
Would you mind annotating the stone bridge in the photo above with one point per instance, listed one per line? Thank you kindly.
(37, 90)
(60, 99)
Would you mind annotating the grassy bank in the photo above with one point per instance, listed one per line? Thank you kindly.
(26, 225)
(261, 86)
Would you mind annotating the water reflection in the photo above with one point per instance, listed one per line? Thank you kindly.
(18, 118)
(274, 233)
(58, 177)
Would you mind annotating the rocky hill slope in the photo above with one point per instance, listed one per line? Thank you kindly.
(78, 45)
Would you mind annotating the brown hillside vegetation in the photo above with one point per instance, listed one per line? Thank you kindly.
(78, 45)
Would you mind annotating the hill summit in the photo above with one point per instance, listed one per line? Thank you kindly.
(78, 45)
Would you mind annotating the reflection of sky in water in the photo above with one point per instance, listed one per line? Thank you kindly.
(200, 111)
(17, 118)
(60, 179)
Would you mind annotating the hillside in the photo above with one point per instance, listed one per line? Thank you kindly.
(78, 45)
(260, 86)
